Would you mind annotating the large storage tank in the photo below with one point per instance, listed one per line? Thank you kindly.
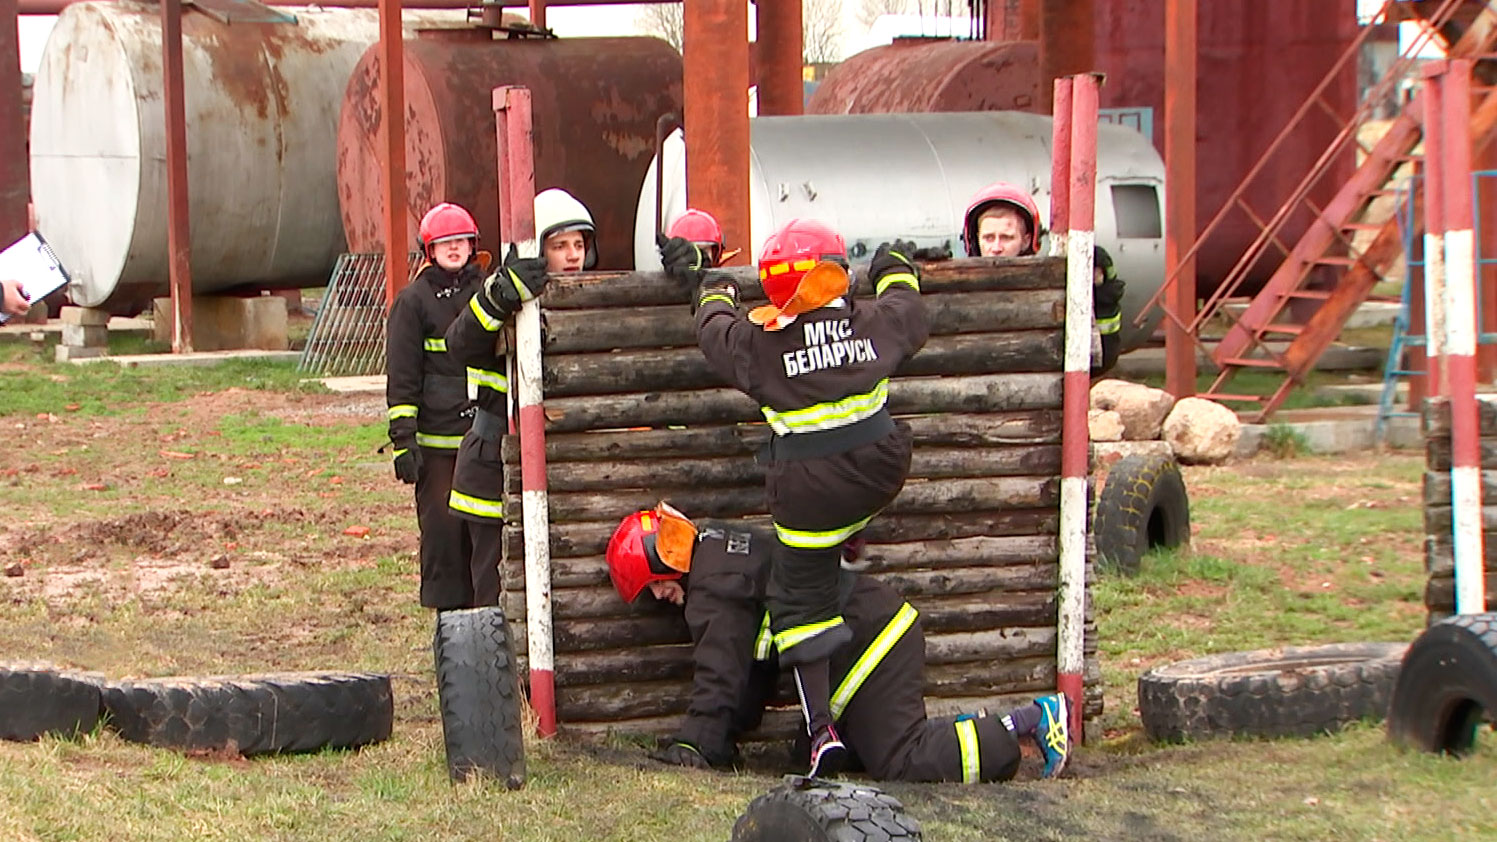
(262, 105)
(1254, 70)
(594, 102)
(878, 177)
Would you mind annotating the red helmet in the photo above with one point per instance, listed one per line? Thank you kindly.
(632, 560)
(791, 252)
(1000, 192)
(446, 222)
(697, 226)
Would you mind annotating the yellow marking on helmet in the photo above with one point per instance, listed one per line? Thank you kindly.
(644, 522)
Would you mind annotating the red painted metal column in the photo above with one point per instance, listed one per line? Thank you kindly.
(1012, 20)
(178, 233)
(1075, 401)
(1460, 326)
(15, 188)
(1067, 42)
(515, 138)
(1417, 360)
(1179, 195)
(538, 12)
(1434, 230)
(392, 146)
(715, 68)
(1060, 169)
(781, 87)
(1486, 249)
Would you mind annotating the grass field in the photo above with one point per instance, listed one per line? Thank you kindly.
(192, 521)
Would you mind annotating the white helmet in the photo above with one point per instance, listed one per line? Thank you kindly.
(557, 211)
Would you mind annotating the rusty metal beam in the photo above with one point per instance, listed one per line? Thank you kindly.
(1180, 194)
(392, 145)
(1067, 43)
(53, 7)
(1012, 20)
(538, 11)
(778, 71)
(715, 64)
(14, 177)
(178, 232)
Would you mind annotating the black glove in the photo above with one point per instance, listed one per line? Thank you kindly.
(716, 284)
(892, 257)
(681, 754)
(931, 254)
(1107, 294)
(684, 262)
(408, 464)
(517, 281)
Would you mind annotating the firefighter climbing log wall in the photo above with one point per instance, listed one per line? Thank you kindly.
(634, 415)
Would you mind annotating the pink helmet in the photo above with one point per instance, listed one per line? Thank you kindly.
(1000, 192)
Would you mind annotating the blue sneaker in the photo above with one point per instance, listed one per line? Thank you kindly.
(1054, 733)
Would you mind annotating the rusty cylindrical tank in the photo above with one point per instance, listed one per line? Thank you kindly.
(261, 106)
(917, 74)
(596, 101)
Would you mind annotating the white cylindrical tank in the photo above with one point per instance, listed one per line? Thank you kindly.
(878, 177)
(262, 118)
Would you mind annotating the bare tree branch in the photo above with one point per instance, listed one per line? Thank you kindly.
(821, 25)
(869, 11)
(665, 21)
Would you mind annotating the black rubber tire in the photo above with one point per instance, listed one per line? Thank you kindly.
(1448, 685)
(254, 714)
(1293, 691)
(1142, 505)
(38, 699)
(479, 692)
(805, 809)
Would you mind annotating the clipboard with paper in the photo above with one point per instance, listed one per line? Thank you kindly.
(32, 263)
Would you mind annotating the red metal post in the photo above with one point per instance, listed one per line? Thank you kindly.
(1434, 229)
(1486, 249)
(1460, 328)
(1067, 42)
(515, 136)
(1179, 194)
(178, 233)
(1060, 169)
(392, 146)
(1415, 354)
(15, 189)
(1012, 20)
(778, 74)
(1075, 400)
(715, 68)
(538, 12)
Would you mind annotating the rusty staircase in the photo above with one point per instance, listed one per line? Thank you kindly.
(1350, 242)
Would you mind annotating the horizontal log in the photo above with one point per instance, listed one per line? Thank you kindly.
(1439, 592)
(618, 633)
(672, 326)
(1437, 417)
(571, 540)
(1437, 454)
(1439, 556)
(967, 613)
(609, 290)
(1438, 519)
(647, 370)
(1437, 487)
(917, 395)
(1036, 426)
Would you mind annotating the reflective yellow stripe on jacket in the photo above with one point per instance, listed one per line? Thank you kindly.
(791, 637)
(892, 278)
(872, 657)
(478, 506)
(829, 415)
(1110, 324)
(402, 410)
(490, 379)
(437, 344)
(439, 442)
(764, 641)
(487, 322)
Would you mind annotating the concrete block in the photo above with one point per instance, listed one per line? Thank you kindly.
(84, 316)
(223, 323)
(68, 353)
(85, 336)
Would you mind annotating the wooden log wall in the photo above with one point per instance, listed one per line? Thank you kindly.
(634, 415)
(1439, 556)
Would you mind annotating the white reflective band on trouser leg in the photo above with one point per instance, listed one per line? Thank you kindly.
(764, 641)
(469, 504)
(867, 662)
(800, 634)
(966, 737)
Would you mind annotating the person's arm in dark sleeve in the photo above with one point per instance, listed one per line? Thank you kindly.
(896, 287)
(471, 336)
(404, 370)
(723, 333)
(723, 631)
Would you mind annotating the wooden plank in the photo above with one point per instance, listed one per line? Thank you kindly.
(571, 540)
(1439, 593)
(1032, 426)
(1437, 454)
(596, 290)
(649, 369)
(1436, 419)
(1439, 557)
(1437, 487)
(672, 326)
(1438, 520)
(983, 393)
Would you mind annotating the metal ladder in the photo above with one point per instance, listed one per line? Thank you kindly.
(1403, 337)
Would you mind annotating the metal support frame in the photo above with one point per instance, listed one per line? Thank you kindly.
(178, 231)
(715, 68)
(1180, 40)
(1067, 43)
(778, 57)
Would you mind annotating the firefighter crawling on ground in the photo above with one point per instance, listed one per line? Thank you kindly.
(837, 457)
(719, 573)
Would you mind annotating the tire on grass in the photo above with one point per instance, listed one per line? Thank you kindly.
(479, 691)
(38, 699)
(1142, 505)
(805, 809)
(1293, 691)
(1447, 686)
(254, 714)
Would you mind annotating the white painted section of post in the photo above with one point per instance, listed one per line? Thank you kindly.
(1070, 654)
(1465, 471)
(537, 516)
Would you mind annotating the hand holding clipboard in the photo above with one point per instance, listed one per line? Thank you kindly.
(31, 271)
